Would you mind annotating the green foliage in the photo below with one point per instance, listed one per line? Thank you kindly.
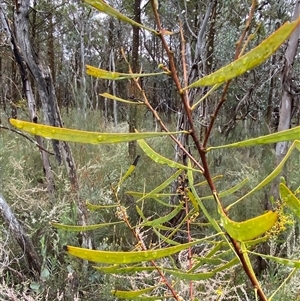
(250, 60)
(162, 221)
(290, 199)
(51, 132)
(103, 74)
(104, 7)
(236, 238)
(127, 257)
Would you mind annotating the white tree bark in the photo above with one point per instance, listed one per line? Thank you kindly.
(34, 263)
(285, 114)
(28, 93)
(43, 79)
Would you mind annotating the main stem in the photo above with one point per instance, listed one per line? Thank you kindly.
(201, 148)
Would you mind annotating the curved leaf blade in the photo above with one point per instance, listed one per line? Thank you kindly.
(111, 75)
(165, 239)
(271, 176)
(228, 191)
(57, 133)
(247, 260)
(251, 59)
(190, 195)
(156, 157)
(129, 171)
(285, 261)
(251, 228)
(111, 257)
(193, 200)
(83, 228)
(204, 210)
(190, 276)
(163, 219)
(162, 186)
(256, 241)
(287, 135)
(291, 200)
(154, 195)
(105, 8)
(203, 275)
(132, 294)
(218, 177)
(113, 97)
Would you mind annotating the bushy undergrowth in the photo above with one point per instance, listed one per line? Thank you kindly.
(23, 185)
(98, 167)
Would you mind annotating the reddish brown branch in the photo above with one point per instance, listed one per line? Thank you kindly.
(236, 56)
(185, 101)
(247, 270)
(201, 148)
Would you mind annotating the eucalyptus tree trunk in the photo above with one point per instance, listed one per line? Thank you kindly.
(113, 83)
(270, 107)
(134, 65)
(24, 241)
(42, 76)
(285, 113)
(195, 72)
(79, 77)
(28, 94)
(82, 68)
(43, 79)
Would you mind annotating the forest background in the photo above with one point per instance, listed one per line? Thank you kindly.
(45, 47)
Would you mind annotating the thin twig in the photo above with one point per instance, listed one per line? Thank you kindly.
(141, 243)
(28, 138)
(236, 56)
(163, 126)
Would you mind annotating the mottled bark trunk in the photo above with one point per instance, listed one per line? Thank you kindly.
(43, 79)
(134, 65)
(285, 113)
(28, 94)
(25, 243)
(82, 69)
(194, 73)
(41, 74)
(113, 85)
(271, 92)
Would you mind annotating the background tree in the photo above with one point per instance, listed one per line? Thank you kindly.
(288, 99)
(134, 92)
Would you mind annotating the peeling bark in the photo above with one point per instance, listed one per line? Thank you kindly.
(21, 237)
(43, 79)
(134, 92)
(28, 93)
(285, 114)
(199, 60)
(40, 73)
